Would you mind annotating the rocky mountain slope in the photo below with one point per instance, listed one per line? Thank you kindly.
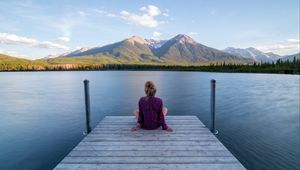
(252, 53)
(181, 49)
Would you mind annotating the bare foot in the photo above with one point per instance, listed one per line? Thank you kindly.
(136, 128)
(169, 129)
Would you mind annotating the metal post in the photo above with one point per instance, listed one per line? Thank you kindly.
(87, 105)
(213, 106)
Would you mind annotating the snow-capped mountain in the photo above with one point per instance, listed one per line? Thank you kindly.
(179, 49)
(154, 43)
(72, 53)
(253, 53)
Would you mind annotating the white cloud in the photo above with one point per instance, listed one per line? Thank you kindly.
(63, 39)
(156, 35)
(14, 39)
(151, 10)
(82, 13)
(146, 19)
(165, 14)
(193, 33)
(293, 41)
(290, 46)
(102, 12)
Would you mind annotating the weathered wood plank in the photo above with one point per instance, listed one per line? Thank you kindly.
(150, 166)
(149, 160)
(150, 153)
(149, 133)
(167, 117)
(151, 147)
(158, 131)
(131, 124)
(194, 122)
(153, 143)
(182, 128)
(168, 121)
(149, 138)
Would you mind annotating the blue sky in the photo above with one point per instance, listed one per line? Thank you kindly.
(35, 29)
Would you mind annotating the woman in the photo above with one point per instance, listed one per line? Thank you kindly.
(151, 113)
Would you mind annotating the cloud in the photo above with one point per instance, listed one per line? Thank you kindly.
(82, 13)
(165, 14)
(145, 19)
(156, 35)
(63, 39)
(193, 33)
(102, 12)
(289, 46)
(14, 39)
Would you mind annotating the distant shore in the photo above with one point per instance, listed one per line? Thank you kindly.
(274, 68)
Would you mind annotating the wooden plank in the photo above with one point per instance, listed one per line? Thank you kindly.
(150, 147)
(148, 133)
(183, 128)
(149, 153)
(215, 166)
(159, 138)
(128, 124)
(149, 160)
(167, 117)
(148, 136)
(158, 131)
(134, 120)
(153, 143)
(179, 122)
(143, 140)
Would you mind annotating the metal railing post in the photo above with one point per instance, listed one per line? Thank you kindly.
(87, 105)
(213, 106)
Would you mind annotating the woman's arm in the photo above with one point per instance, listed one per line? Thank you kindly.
(141, 115)
(161, 118)
(140, 118)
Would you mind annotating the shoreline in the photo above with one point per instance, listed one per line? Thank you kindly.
(76, 70)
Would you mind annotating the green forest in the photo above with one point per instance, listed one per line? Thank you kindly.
(18, 64)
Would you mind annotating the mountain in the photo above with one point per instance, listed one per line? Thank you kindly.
(252, 53)
(134, 49)
(181, 49)
(154, 43)
(67, 54)
(291, 57)
(8, 62)
(73, 53)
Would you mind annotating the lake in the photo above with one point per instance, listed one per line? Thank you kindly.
(43, 116)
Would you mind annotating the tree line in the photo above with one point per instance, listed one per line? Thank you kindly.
(279, 66)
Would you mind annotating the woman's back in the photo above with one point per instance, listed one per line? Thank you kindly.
(150, 113)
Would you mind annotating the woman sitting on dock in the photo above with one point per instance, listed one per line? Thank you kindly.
(151, 113)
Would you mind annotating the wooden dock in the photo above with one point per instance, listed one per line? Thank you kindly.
(111, 145)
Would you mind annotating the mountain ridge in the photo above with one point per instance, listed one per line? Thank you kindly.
(179, 49)
(253, 53)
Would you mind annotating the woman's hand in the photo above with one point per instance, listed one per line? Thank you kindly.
(136, 128)
(169, 129)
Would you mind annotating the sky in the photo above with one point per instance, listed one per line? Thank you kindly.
(35, 29)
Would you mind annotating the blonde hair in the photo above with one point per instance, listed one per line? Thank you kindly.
(150, 89)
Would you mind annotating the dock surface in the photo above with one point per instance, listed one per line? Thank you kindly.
(111, 145)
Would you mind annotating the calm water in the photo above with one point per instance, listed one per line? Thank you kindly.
(42, 113)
